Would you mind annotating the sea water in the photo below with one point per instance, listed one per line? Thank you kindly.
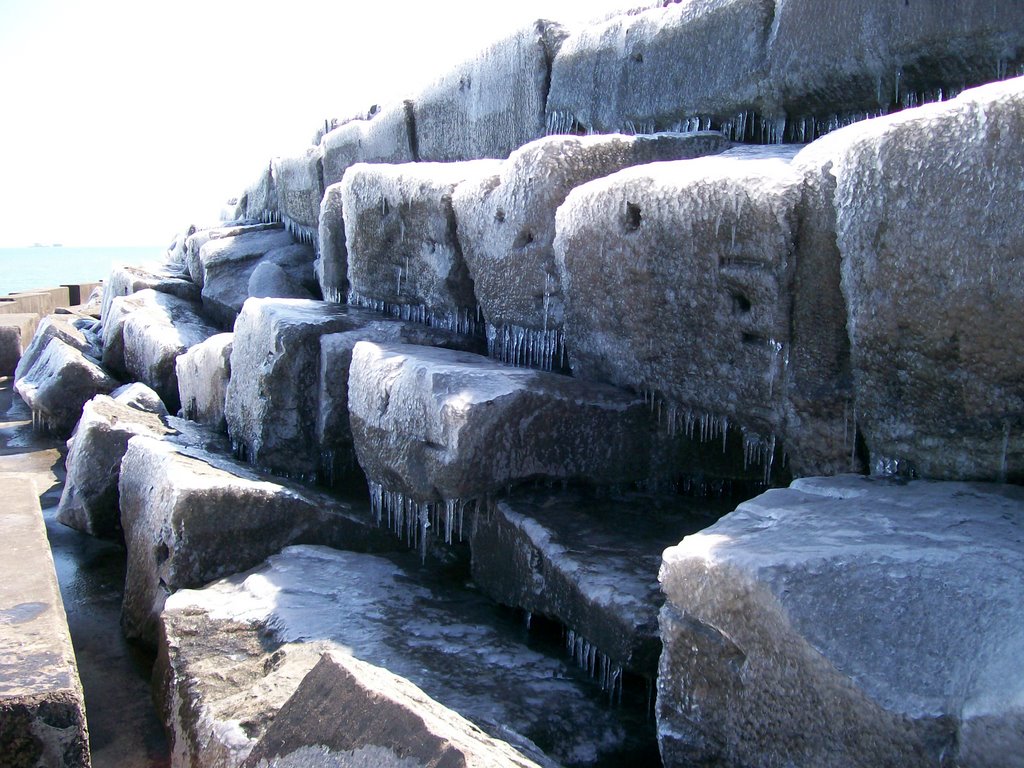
(24, 269)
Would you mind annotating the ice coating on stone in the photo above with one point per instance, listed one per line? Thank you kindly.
(58, 326)
(331, 266)
(195, 242)
(125, 279)
(898, 601)
(687, 66)
(203, 374)
(260, 198)
(366, 606)
(491, 104)
(435, 424)
(506, 226)
(400, 233)
(383, 138)
(685, 296)
(300, 188)
(140, 397)
(926, 212)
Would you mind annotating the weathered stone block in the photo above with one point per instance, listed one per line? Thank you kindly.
(125, 280)
(492, 104)
(933, 273)
(850, 621)
(63, 327)
(384, 138)
(403, 251)
(506, 227)
(270, 280)
(203, 374)
(331, 266)
(140, 397)
(195, 242)
(16, 332)
(260, 198)
(42, 710)
(439, 425)
(190, 517)
(299, 181)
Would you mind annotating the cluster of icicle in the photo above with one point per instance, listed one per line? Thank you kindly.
(464, 321)
(304, 234)
(596, 664)
(526, 347)
(413, 520)
(41, 422)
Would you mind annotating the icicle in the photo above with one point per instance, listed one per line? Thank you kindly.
(1006, 448)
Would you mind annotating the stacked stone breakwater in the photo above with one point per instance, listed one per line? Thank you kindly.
(536, 330)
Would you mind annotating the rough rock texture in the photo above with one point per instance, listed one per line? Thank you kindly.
(260, 198)
(492, 104)
(195, 242)
(16, 332)
(65, 328)
(866, 55)
(506, 227)
(355, 711)
(403, 250)
(590, 562)
(384, 138)
(89, 502)
(203, 374)
(333, 433)
(331, 266)
(300, 188)
(848, 620)
(42, 710)
(125, 280)
(262, 632)
(435, 424)
(676, 282)
(190, 516)
(270, 280)
(272, 397)
(678, 67)
(140, 397)
(58, 383)
(147, 332)
(933, 272)
(228, 264)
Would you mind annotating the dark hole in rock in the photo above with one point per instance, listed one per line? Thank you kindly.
(633, 217)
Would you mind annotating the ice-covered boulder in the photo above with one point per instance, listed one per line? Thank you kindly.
(386, 137)
(89, 501)
(270, 280)
(676, 281)
(346, 709)
(506, 227)
(271, 625)
(260, 198)
(146, 333)
(333, 434)
(16, 330)
(589, 561)
(195, 242)
(491, 104)
(403, 250)
(125, 280)
(933, 273)
(299, 180)
(331, 266)
(57, 384)
(228, 264)
(63, 327)
(438, 425)
(203, 374)
(680, 67)
(190, 516)
(848, 621)
(140, 397)
(272, 395)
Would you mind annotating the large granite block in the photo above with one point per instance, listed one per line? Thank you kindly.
(299, 180)
(203, 374)
(125, 280)
(194, 244)
(848, 621)
(385, 137)
(493, 103)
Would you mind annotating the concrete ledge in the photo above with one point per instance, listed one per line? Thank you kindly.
(16, 331)
(42, 709)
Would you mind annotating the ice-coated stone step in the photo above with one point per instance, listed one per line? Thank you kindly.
(265, 629)
(589, 561)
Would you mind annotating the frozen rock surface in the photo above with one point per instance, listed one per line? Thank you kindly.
(299, 180)
(146, 333)
(195, 242)
(506, 228)
(434, 424)
(680, 67)
(140, 397)
(403, 251)
(228, 264)
(493, 103)
(191, 516)
(933, 270)
(354, 711)
(848, 620)
(42, 709)
(260, 198)
(58, 383)
(63, 327)
(590, 562)
(267, 628)
(16, 332)
(125, 280)
(384, 138)
(89, 501)
(676, 280)
(331, 265)
(273, 394)
(333, 433)
(270, 280)
(203, 374)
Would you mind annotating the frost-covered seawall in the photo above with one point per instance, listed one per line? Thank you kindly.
(555, 313)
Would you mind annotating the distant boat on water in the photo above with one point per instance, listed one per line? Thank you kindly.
(44, 245)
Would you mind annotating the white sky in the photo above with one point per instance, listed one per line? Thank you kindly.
(123, 121)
